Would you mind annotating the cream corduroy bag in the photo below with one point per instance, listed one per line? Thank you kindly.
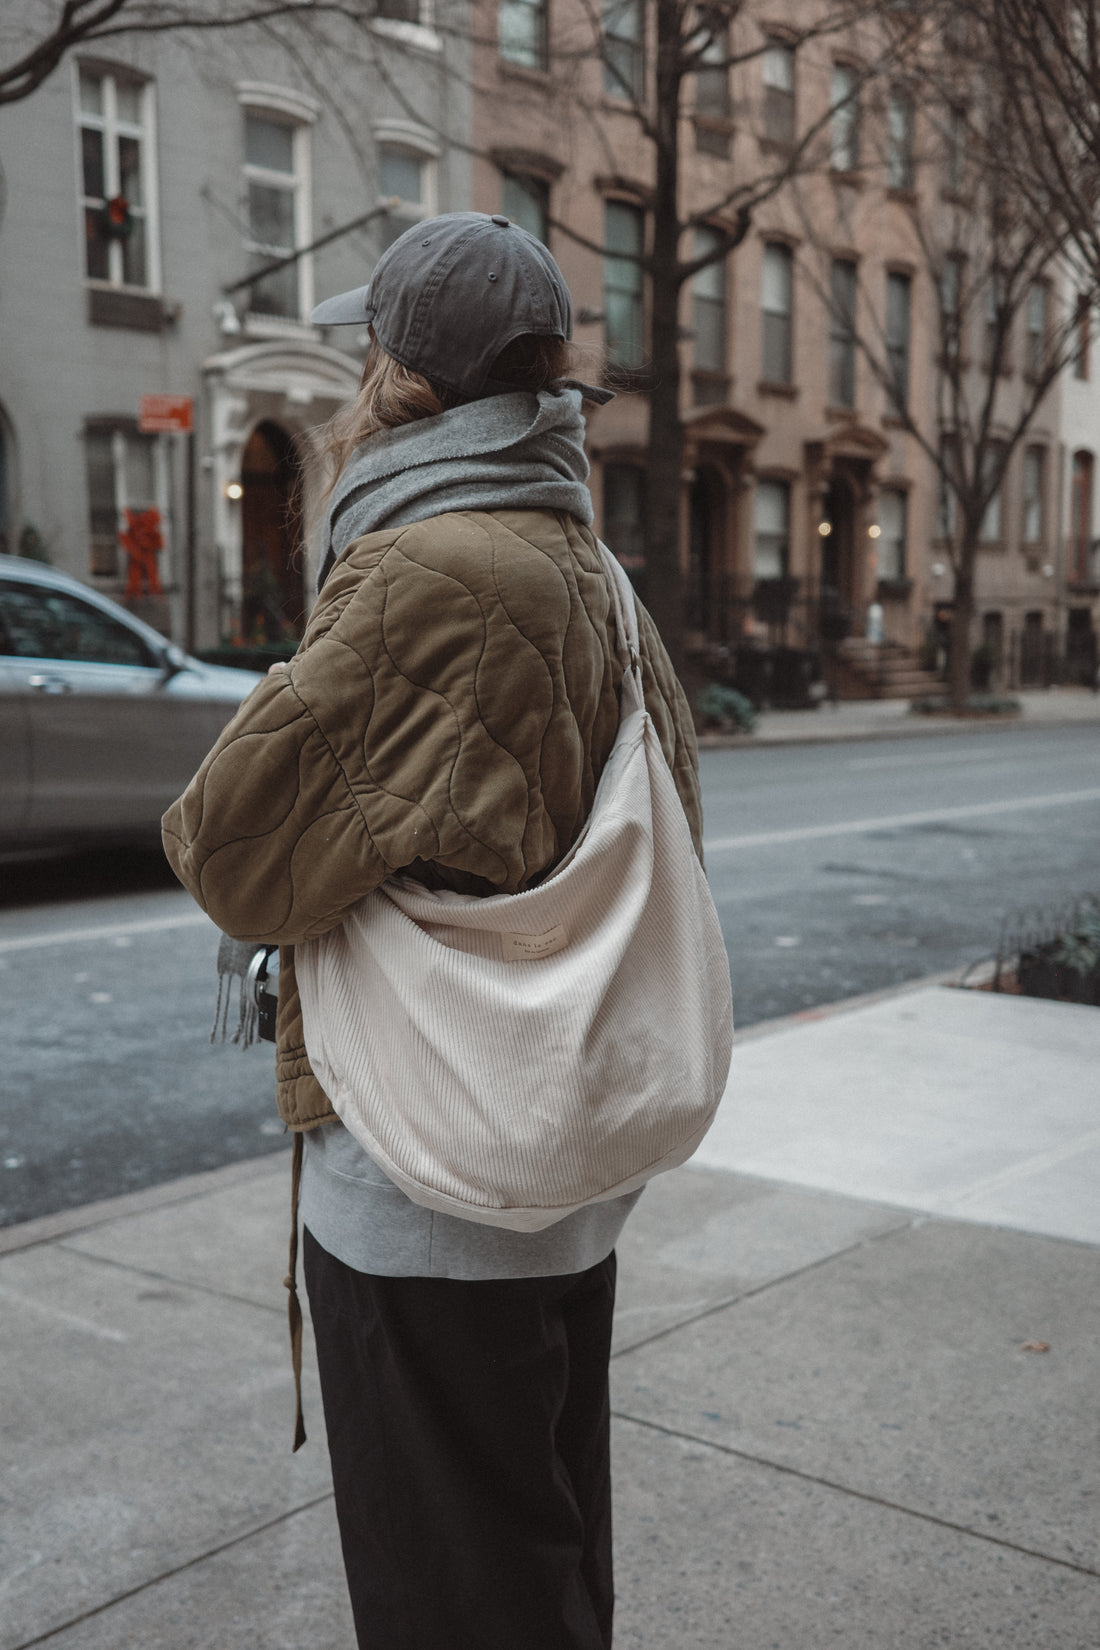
(509, 1059)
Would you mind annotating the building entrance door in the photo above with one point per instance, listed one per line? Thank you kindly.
(272, 605)
(838, 560)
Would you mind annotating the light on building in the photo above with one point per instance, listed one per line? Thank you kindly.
(1048, 571)
(825, 528)
(234, 490)
(938, 570)
(874, 531)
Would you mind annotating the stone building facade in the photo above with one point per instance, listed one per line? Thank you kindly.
(809, 511)
(144, 186)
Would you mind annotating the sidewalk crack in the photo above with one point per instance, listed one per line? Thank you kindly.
(177, 1570)
(857, 1495)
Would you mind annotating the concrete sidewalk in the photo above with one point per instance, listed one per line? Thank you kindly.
(892, 719)
(854, 1383)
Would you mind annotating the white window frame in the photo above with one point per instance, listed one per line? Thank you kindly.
(1032, 496)
(779, 78)
(632, 286)
(776, 273)
(710, 293)
(405, 137)
(771, 544)
(299, 112)
(897, 541)
(531, 10)
(113, 128)
(421, 36)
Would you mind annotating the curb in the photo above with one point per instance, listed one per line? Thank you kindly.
(953, 977)
(50, 1228)
(924, 729)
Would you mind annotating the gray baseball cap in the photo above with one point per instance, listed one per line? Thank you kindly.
(449, 295)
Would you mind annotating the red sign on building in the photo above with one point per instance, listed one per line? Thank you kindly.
(165, 414)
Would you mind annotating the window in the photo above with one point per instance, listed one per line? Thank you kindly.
(624, 231)
(990, 530)
(624, 48)
(844, 120)
(1082, 338)
(624, 515)
(995, 343)
(526, 200)
(712, 77)
(406, 171)
(776, 295)
(275, 165)
(893, 519)
(899, 140)
(842, 333)
(898, 301)
(52, 624)
(523, 32)
(771, 529)
(951, 286)
(116, 178)
(954, 149)
(708, 299)
(778, 73)
(1035, 316)
(124, 471)
(1080, 518)
(1032, 515)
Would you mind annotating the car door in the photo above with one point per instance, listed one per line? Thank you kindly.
(100, 731)
(15, 742)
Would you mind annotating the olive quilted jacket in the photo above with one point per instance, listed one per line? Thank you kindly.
(447, 715)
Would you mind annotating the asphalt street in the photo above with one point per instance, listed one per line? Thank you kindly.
(841, 870)
(836, 869)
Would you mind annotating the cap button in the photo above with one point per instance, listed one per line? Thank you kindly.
(505, 223)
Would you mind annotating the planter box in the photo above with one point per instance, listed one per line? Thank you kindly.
(1038, 975)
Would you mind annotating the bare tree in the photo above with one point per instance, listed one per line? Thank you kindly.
(643, 62)
(32, 48)
(1001, 278)
(1046, 55)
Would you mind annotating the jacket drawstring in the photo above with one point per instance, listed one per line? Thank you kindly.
(294, 1306)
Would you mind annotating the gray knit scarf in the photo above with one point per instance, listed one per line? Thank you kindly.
(508, 452)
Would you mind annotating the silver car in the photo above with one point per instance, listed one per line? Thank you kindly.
(102, 721)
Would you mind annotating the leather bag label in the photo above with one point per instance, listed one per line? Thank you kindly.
(532, 947)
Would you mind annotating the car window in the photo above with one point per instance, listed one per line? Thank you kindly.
(52, 624)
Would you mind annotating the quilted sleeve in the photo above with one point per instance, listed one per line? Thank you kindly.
(268, 837)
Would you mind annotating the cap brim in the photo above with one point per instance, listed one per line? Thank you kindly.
(345, 309)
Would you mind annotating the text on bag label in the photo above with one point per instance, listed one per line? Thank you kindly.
(531, 947)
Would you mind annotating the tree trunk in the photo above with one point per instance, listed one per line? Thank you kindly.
(666, 437)
(959, 659)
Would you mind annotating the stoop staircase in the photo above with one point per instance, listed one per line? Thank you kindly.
(881, 670)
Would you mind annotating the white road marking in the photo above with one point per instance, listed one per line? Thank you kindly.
(888, 822)
(109, 931)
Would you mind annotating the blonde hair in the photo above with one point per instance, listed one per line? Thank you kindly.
(390, 395)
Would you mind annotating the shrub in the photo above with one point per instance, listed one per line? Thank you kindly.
(725, 708)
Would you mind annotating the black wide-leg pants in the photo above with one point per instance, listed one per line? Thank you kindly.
(468, 1425)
